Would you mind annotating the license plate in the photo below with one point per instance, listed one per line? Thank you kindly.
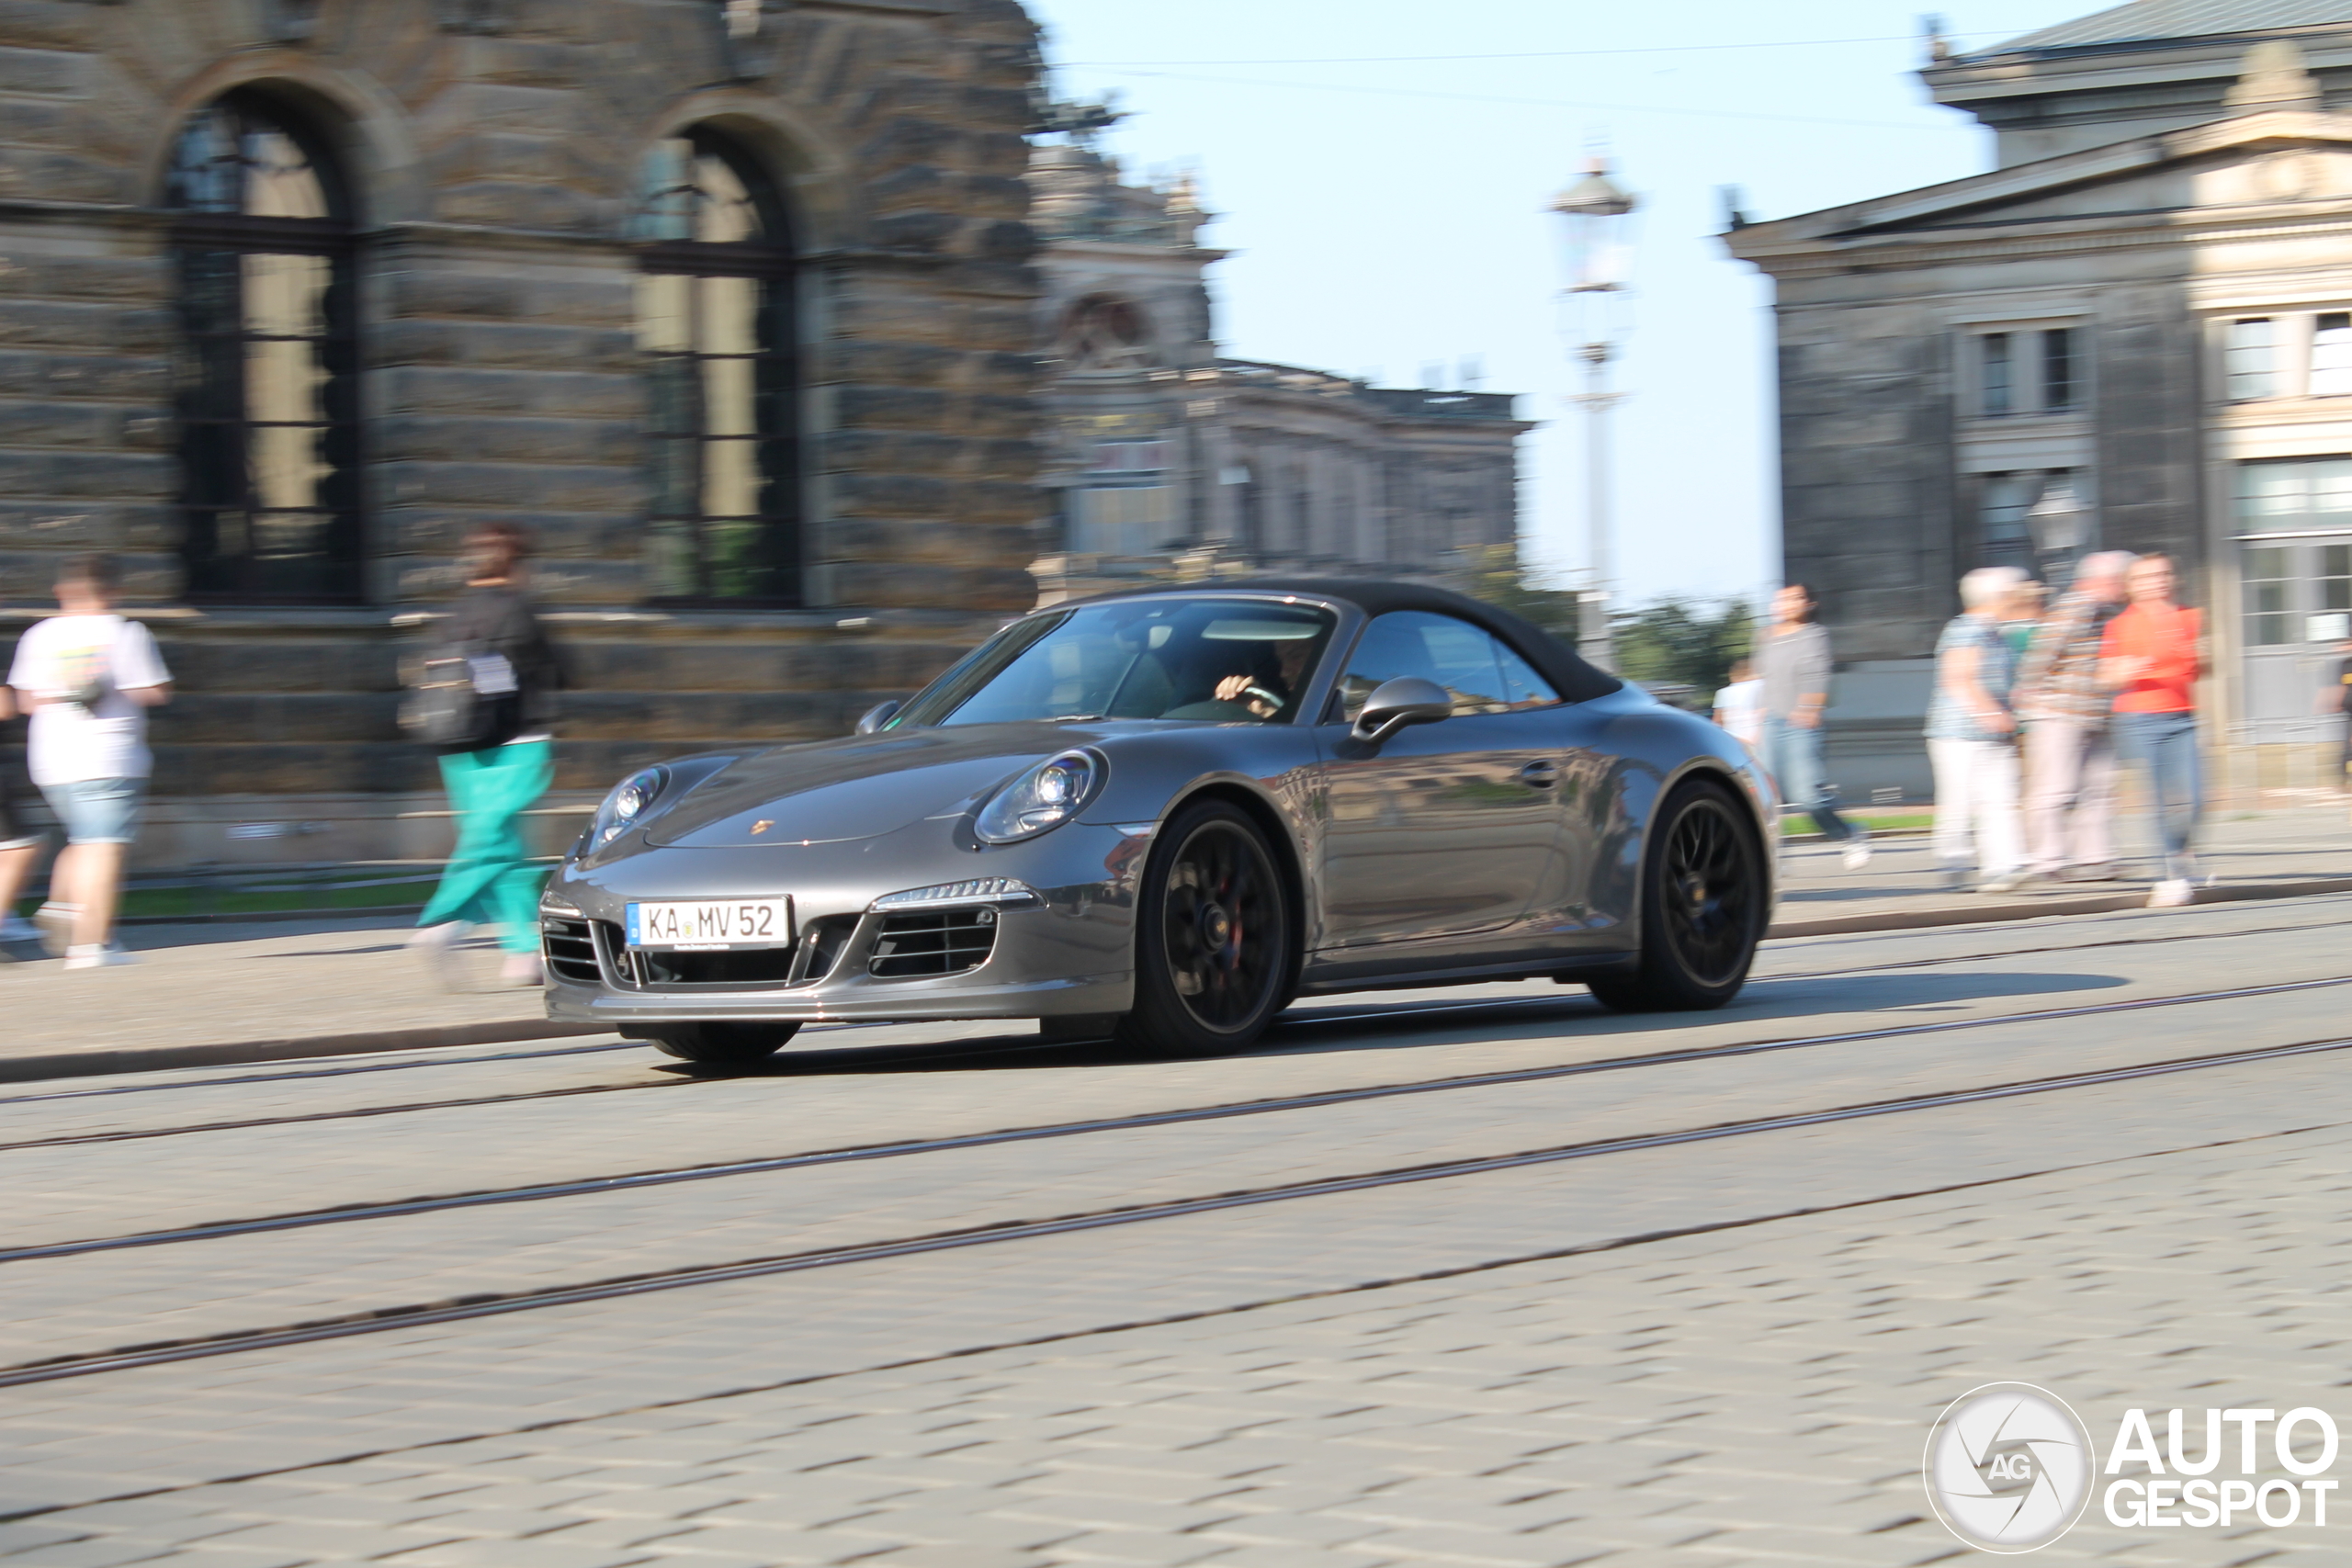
(711, 926)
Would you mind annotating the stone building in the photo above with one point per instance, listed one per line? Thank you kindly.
(730, 301)
(2134, 331)
(1160, 444)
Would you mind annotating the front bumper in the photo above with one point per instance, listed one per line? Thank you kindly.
(1070, 950)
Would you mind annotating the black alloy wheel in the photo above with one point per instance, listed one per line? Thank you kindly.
(1702, 906)
(1214, 940)
(722, 1045)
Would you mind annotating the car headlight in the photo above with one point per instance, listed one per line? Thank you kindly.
(1044, 797)
(628, 806)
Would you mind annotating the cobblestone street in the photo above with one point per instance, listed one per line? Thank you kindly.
(1476, 1276)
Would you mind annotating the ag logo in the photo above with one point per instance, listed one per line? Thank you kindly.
(2009, 1467)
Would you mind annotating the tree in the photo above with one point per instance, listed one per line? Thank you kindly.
(1498, 576)
(1684, 642)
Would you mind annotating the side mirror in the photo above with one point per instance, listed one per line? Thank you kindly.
(1396, 703)
(878, 715)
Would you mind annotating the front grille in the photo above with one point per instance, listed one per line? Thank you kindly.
(571, 951)
(941, 941)
(747, 966)
(803, 964)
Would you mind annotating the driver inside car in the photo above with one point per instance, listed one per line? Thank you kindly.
(1266, 692)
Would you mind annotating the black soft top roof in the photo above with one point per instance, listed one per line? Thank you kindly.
(1554, 659)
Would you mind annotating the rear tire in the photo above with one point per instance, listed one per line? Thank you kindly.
(1217, 942)
(1702, 906)
(722, 1045)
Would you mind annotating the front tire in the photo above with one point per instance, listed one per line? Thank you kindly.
(1216, 937)
(722, 1045)
(1702, 906)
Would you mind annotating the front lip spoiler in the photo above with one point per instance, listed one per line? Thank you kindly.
(919, 1001)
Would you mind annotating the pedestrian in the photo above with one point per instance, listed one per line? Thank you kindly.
(88, 677)
(2335, 696)
(2069, 739)
(1971, 739)
(18, 844)
(2151, 656)
(1791, 661)
(2021, 615)
(1739, 706)
(504, 768)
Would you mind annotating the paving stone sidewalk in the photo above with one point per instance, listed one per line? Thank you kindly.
(348, 984)
(2244, 849)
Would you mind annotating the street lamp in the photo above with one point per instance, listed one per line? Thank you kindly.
(1598, 252)
(2057, 526)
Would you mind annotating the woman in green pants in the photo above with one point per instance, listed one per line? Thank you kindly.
(489, 880)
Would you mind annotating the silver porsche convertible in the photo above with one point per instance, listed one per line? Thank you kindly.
(1163, 816)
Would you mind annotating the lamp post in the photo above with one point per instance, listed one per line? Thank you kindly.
(2056, 526)
(1594, 214)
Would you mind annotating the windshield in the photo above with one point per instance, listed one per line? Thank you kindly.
(1225, 661)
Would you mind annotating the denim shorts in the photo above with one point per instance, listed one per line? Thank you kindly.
(97, 811)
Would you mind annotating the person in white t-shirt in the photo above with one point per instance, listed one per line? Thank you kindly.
(1739, 708)
(19, 843)
(88, 677)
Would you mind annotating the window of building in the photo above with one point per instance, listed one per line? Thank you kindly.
(2250, 360)
(2334, 580)
(2295, 495)
(2060, 379)
(2006, 524)
(2268, 575)
(2332, 356)
(1121, 520)
(717, 323)
(1998, 393)
(1102, 332)
(2295, 565)
(268, 383)
(1129, 456)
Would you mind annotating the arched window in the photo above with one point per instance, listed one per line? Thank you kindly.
(268, 382)
(715, 322)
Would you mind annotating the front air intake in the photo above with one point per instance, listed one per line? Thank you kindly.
(941, 941)
(570, 950)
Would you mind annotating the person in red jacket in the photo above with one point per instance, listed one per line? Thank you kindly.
(2152, 656)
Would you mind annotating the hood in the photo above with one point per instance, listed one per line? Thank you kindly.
(858, 787)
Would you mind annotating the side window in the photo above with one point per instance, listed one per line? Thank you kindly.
(1522, 687)
(1455, 654)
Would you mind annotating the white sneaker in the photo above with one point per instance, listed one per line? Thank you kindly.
(2009, 882)
(55, 922)
(1857, 853)
(98, 956)
(523, 969)
(2172, 892)
(437, 946)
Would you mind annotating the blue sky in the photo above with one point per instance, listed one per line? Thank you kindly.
(1387, 213)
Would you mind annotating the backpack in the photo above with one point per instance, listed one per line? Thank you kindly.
(454, 699)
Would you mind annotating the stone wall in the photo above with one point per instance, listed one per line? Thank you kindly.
(1866, 471)
(495, 148)
(2151, 429)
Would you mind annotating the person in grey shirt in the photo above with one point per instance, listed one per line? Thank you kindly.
(1792, 659)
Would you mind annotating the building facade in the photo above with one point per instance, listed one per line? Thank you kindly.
(2135, 333)
(1159, 446)
(730, 302)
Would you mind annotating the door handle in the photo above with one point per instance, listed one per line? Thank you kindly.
(1540, 775)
